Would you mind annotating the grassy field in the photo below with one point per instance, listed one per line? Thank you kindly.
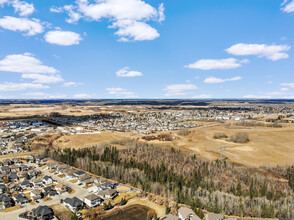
(87, 140)
(61, 212)
(266, 147)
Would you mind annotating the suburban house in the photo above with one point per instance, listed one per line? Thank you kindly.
(2, 188)
(104, 185)
(20, 199)
(79, 174)
(31, 158)
(14, 168)
(36, 194)
(93, 200)
(108, 193)
(26, 184)
(171, 217)
(43, 212)
(187, 214)
(60, 188)
(12, 177)
(37, 182)
(47, 180)
(5, 169)
(74, 204)
(24, 167)
(5, 202)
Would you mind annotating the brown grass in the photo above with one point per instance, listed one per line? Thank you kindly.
(267, 146)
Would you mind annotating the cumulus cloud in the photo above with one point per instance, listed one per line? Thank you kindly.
(288, 6)
(84, 96)
(256, 97)
(31, 68)
(42, 95)
(120, 92)
(63, 38)
(125, 72)
(10, 86)
(130, 17)
(271, 52)
(219, 80)
(291, 85)
(71, 84)
(179, 89)
(25, 63)
(209, 64)
(202, 96)
(21, 7)
(41, 78)
(29, 26)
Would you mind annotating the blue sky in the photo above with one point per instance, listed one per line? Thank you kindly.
(146, 49)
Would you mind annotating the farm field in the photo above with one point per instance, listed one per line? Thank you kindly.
(266, 147)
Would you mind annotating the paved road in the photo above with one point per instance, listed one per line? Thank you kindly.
(80, 192)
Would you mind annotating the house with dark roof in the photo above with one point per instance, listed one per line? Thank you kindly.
(12, 177)
(20, 199)
(26, 184)
(5, 202)
(79, 174)
(47, 180)
(43, 212)
(3, 188)
(5, 169)
(74, 204)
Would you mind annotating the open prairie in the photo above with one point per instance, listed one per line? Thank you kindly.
(267, 146)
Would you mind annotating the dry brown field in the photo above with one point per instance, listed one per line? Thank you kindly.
(267, 146)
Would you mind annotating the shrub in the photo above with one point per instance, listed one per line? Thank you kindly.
(184, 132)
(240, 138)
(220, 136)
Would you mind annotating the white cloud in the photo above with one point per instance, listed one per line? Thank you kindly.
(130, 17)
(202, 96)
(271, 52)
(219, 80)
(284, 89)
(25, 63)
(84, 96)
(10, 86)
(134, 30)
(161, 16)
(63, 38)
(41, 78)
(42, 95)
(71, 84)
(21, 7)
(179, 89)
(29, 26)
(291, 85)
(256, 97)
(125, 72)
(209, 64)
(120, 92)
(56, 9)
(288, 7)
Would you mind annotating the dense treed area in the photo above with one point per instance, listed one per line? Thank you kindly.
(216, 186)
